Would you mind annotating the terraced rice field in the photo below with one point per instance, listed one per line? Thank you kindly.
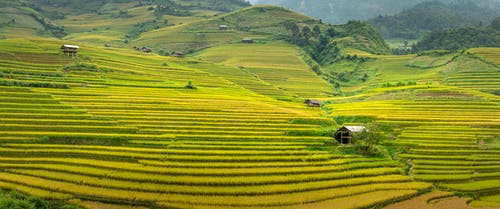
(108, 137)
(450, 139)
(278, 64)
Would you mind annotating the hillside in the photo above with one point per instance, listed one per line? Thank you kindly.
(97, 21)
(121, 127)
(459, 38)
(441, 111)
(248, 118)
(261, 23)
(341, 11)
(425, 17)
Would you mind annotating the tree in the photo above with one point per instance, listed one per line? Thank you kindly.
(495, 24)
(306, 32)
(294, 32)
(331, 32)
(366, 140)
(316, 31)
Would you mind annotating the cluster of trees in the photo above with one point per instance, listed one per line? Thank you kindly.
(461, 38)
(341, 11)
(321, 49)
(14, 200)
(429, 16)
(315, 42)
(50, 28)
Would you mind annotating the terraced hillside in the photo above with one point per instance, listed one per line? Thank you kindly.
(119, 127)
(446, 129)
(257, 22)
(277, 63)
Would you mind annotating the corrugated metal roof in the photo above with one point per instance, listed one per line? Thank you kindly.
(70, 46)
(355, 128)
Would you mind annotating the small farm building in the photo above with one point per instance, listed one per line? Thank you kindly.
(178, 54)
(223, 27)
(107, 45)
(147, 50)
(313, 103)
(247, 40)
(345, 133)
(69, 49)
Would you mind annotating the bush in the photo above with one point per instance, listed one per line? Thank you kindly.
(33, 84)
(190, 85)
(81, 67)
(15, 200)
(366, 142)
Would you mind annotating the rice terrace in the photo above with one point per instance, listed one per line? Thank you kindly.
(228, 104)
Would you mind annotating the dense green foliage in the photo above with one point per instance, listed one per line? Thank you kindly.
(14, 200)
(429, 16)
(341, 11)
(461, 38)
(321, 45)
(366, 141)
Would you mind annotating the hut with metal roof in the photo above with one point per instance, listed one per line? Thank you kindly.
(71, 50)
(344, 134)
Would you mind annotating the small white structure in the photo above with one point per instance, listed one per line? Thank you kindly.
(223, 27)
(71, 50)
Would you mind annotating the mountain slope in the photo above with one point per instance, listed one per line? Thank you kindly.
(341, 11)
(120, 127)
(96, 21)
(413, 23)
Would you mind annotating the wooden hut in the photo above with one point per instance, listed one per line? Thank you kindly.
(71, 50)
(247, 41)
(146, 49)
(178, 54)
(223, 27)
(345, 133)
(107, 45)
(313, 103)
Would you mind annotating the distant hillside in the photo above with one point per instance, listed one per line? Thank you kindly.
(103, 21)
(263, 23)
(429, 16)
(461, 38)
(341, 11)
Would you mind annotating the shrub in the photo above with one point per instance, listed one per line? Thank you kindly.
(190, 85)
(366, 141)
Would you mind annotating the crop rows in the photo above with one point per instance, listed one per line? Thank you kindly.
(128, 132)
(452, 143)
